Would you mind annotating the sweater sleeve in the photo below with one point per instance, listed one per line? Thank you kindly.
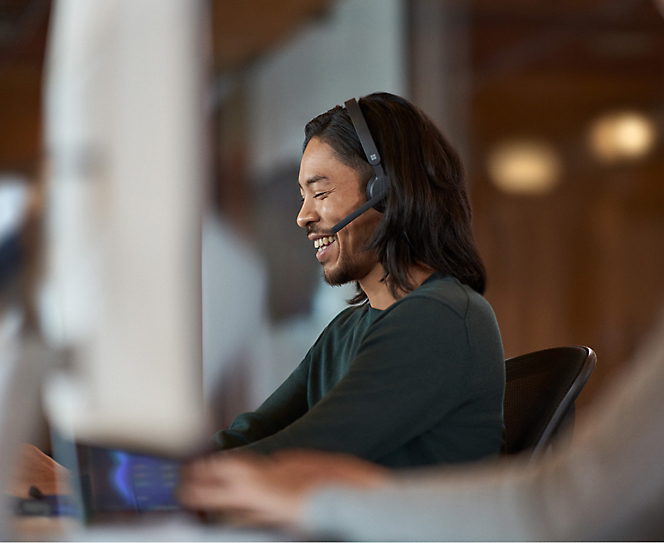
(409, 371)
(283, 406)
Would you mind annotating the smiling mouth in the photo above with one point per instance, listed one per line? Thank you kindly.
(322, 246)
(321, 243)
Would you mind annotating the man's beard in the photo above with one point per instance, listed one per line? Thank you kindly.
(350, 268)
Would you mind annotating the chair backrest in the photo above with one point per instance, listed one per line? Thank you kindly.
(541, 388)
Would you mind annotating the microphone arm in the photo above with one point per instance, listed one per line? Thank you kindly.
(355, 214)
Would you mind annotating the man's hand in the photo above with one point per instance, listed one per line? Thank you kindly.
(272, 490)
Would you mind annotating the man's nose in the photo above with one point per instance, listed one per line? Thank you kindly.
(307, 214)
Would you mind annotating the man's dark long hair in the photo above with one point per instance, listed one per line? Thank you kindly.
(427, 217)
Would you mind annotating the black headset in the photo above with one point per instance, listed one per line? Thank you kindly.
(379, 185)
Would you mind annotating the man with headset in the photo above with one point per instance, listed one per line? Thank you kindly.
(412, 373)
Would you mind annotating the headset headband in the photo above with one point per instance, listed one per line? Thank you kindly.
(364, 134)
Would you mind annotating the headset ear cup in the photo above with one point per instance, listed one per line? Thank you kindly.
(376, 186)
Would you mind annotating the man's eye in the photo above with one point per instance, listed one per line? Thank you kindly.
(319, 194)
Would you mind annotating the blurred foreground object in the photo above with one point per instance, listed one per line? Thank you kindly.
(124, 132)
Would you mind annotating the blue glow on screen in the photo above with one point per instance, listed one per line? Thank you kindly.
(123, 481)
(120, 476)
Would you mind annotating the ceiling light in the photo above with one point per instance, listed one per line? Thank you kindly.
(524, 167)
(622, 136)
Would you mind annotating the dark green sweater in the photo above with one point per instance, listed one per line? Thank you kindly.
(418, 383)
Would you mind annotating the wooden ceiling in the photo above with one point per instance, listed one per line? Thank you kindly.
(23, 25)
(508, 36)
(621, 36)
(242, 31)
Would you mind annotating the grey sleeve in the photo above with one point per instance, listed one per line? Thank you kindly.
(605, 484)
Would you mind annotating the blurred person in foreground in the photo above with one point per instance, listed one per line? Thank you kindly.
(606, 484)
(412, 373)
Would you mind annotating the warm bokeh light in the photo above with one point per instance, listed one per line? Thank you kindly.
(524, 167)
(622, 136)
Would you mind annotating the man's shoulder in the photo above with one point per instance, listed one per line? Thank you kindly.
(348, 323)
(448, 293)
(349, 316)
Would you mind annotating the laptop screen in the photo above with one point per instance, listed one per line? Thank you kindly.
(115, 481)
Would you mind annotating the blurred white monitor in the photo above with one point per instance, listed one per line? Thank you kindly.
(124, 110)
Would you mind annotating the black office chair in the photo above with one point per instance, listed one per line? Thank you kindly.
(540, 392)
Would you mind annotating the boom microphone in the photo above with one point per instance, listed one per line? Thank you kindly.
(355, 214)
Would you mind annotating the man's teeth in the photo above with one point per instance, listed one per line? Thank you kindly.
(323, 242)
